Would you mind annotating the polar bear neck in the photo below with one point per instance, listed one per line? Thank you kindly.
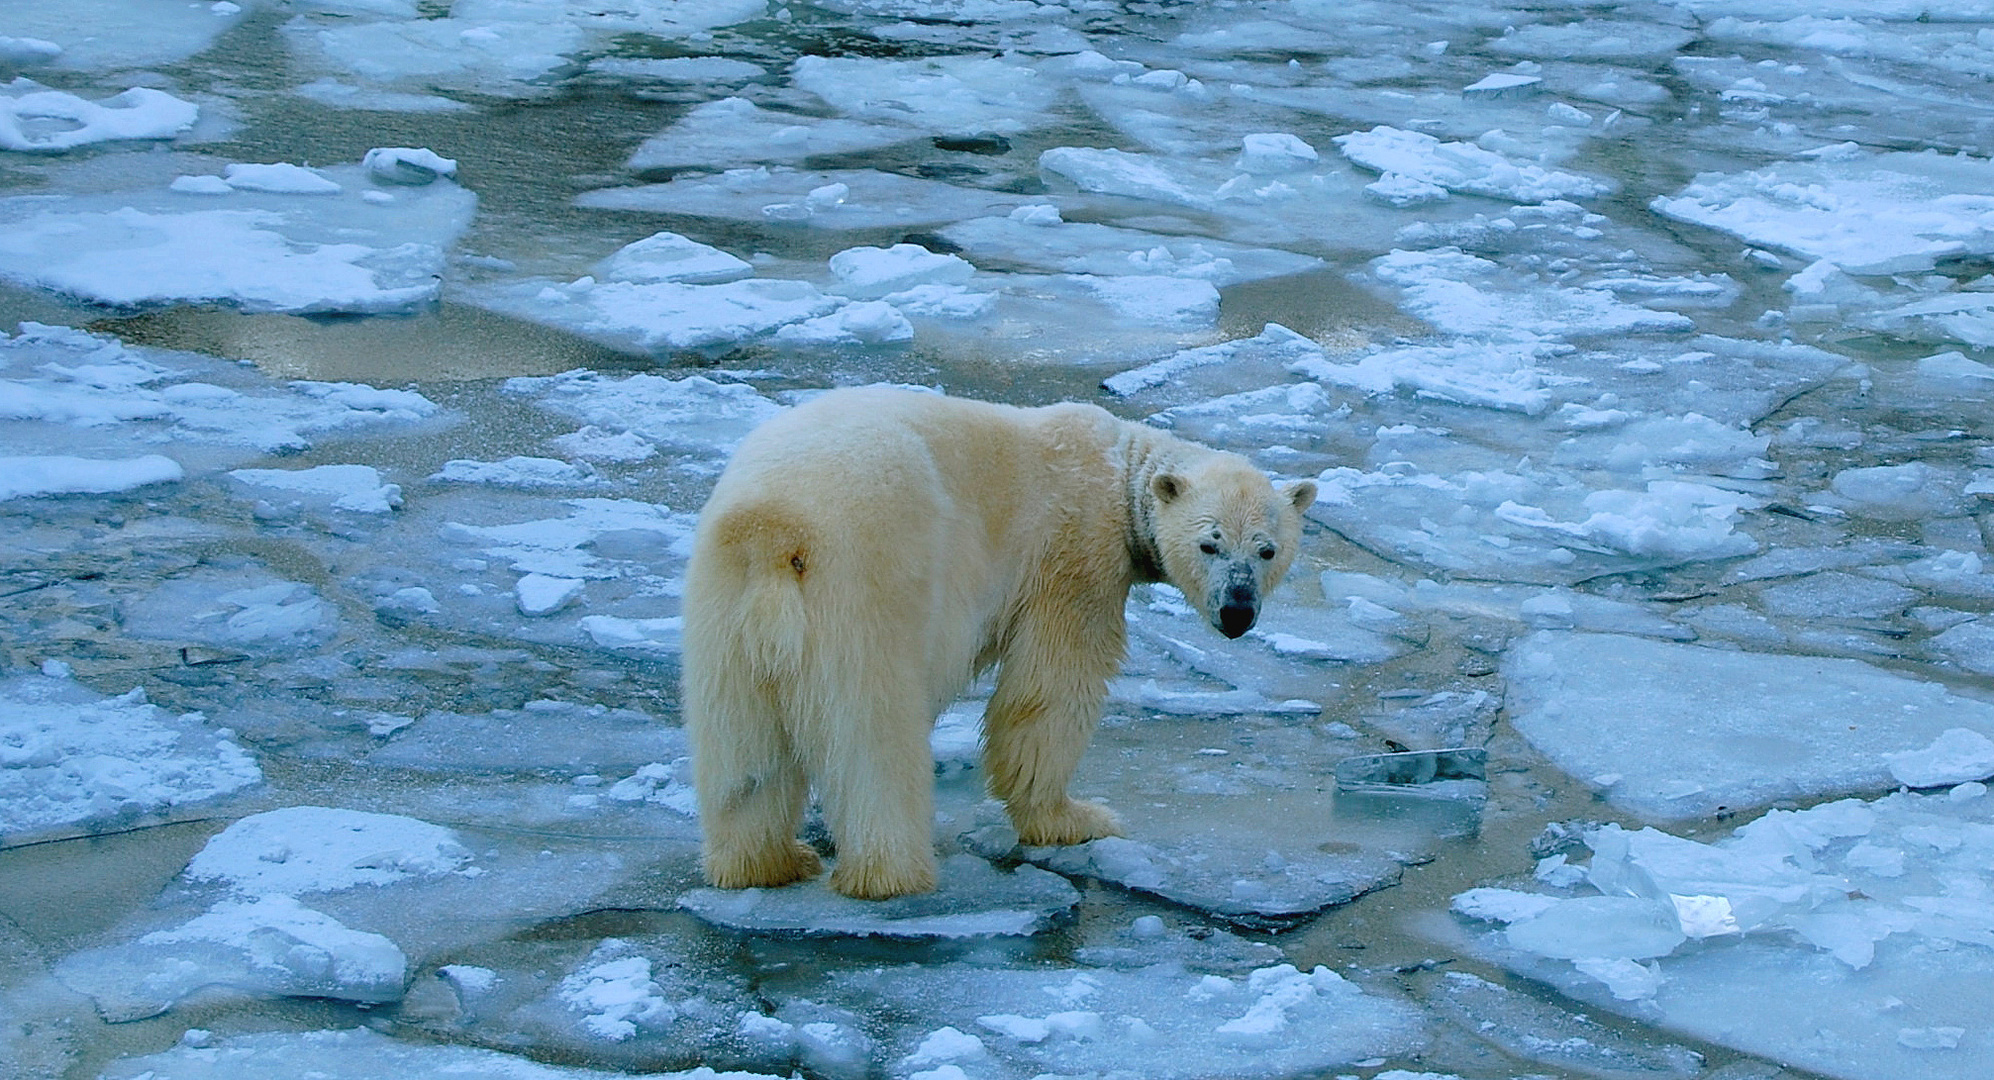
(1143, 452)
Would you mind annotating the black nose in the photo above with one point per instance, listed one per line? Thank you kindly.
(1237, 619)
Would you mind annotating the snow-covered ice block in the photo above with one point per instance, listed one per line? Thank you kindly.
(867, 322)
(1400, 190)
(412, 165)
(734, 131)
(270, 245)
(972, 899)
(1274, 345)
(1155, 301)
(667, 256)
(1503, 84)
(869, 200)
(1274, 1022)
(269, 946)
(1118, 172)
(1957, 756)
(661, 315)
(1464, 167)
(1076, 247)
(942, 94)
(279, 178)
(93, 383)
(558, 547)
(1273, 153)
(663, 636)
(357, 488)
(691, 415)
(62, 474)
(1870, 915)
(73, 758)
(1465, 294)
(355, 1054)
(1687, 730)
(872, 272)
(36, 119)
(1500, 375)
(516, 471)
(313, 849)
(1867, 213)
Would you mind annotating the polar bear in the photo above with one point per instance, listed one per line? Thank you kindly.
(866, 555)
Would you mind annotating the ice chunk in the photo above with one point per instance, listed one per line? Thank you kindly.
(1274, 153)
(1908, 492)
(355, 1054)
(1465, 294)
(1278, 1021)
(872, 199)
(1118, 172)
(662, 315)
(272, 248)
(311, 849)
(248, 609)
(1106, 250)
(60, 474)
(1715, 729)
(1503, 84)
(735, 131)
(871, 272)
(72, 758)
(268, 946)
(520, 472)
(940, 94)
(667, 256)
(1463, 167)
(1597, 927)
(1958, 755)
(1400, 190)
(407, 165)
(539, 594)
(36, 119)
(357, 488)
(279, 178)
(1275, 344)
(1868, 214)
(973, 899)
(694, 414)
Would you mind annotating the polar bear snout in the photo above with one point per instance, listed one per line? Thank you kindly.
(1240, 610)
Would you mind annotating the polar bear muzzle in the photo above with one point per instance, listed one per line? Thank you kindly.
(1239, 605)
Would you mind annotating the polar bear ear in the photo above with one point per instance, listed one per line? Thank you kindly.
(1167, 487)
(1301, 493)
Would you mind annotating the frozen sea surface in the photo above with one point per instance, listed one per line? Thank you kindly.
(366, 364)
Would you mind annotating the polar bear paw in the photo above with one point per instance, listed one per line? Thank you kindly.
(1073, 823)
(768, 868)
(879, 878)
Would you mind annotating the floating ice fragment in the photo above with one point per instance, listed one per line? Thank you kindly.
(137, 113)
(1958, 755)
(61, 474)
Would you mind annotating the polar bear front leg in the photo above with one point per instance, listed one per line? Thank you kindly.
(1050, 687)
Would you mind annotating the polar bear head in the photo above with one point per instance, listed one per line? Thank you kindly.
(1225, 535)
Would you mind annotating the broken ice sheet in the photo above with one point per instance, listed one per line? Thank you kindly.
(972, 899)
(1214, 824)
(1688, 730)
(1868, 916)
(325, 902)
(259, 251)
(1866, 213)
(735, 132)
(352, 1054)
(72, 758)
(1275, 1022)
(1023, 240)
(92, 391)
(835, 199)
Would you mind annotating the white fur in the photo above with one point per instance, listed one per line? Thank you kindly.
(866, 555)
